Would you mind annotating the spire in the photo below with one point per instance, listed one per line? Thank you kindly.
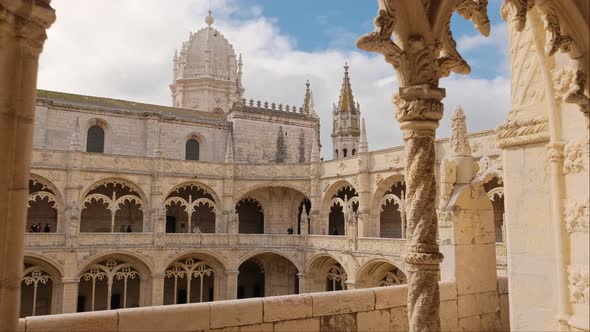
(307, 101)
(459, 139)
(363, 143)
(229, 150)
(157, 148)
(209, 19)
(315, 148)
(239, 86)
(75, 141)
(346, 101)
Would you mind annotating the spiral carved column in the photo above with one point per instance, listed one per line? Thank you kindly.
(418, 109)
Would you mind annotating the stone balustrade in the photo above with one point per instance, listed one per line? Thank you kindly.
(371, 309)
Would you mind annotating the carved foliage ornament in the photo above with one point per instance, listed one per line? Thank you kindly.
(422, 61)
(576, 216)
(576, 153)
(578, 283)
(568, 83)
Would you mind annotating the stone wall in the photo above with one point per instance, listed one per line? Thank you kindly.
(372, 309)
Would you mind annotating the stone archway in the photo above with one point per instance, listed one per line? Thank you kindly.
(44, 207)
(325, 273)
(112, 206)
(190, 208)
(267, 274)
(392, 212)
(344, 200)
(495, 190)
(40, 287)
(379, 273)
(114, 280)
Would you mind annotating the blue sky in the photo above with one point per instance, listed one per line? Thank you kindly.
(283, 42)
(318, 25)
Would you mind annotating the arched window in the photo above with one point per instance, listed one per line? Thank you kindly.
(95, 140)
(192, 149)
(344, 153)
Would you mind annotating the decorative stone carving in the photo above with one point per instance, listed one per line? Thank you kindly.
(459, 140)
(34, 276)
(568, 83)
(576, 216)
(522, 131)
(576, 153)
(109, 271)
(578, 278)
(420, 62)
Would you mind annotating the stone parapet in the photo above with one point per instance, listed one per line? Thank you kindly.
(372, 309)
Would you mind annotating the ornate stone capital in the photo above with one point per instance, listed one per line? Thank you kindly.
(419, 107)
(555, 151)
(27, 21)
(568, 83)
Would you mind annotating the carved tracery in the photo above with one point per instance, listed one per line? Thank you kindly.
(109, 271)
(189, 269)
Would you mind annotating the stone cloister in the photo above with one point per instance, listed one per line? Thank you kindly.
(440, 234)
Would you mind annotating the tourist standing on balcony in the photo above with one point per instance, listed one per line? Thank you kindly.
(129, 229)
(47, 229)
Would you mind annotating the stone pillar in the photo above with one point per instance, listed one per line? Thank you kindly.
(422, 53)
(69, 295)
(467, 235)
(363, 185)
(222, 225)
(302, 282)
(314, 186)
(22, 35)
(231, 277)
(157, 289)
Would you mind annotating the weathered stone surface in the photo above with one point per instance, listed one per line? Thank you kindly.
(89, 322)
(181, 317)
(448, 290)
(477, 304)
(235, 313)
(264, 327)
(342, 322)
(399, 319)
(449, 316)
(343, 302)
(287, 307)
(298, 325)
(390, 297)
(377, 320)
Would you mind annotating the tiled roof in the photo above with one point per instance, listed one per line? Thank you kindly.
(117, 105)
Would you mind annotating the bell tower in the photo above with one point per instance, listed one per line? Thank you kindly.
(346, 121)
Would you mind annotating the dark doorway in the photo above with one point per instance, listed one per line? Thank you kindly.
(170, 224)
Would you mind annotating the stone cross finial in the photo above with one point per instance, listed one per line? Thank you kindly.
(209, 19)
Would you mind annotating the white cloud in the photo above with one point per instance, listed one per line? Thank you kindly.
(124, 49)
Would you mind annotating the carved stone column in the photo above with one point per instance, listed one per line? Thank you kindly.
(363, 184)
(22, 35)
(425, 51)
(231, 284)
(314, 185)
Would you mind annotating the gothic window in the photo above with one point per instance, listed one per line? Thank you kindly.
(36, 291)
(250, 216)
(190, 209)
(42, 212)
(95, 140)
(344, 153)
(112, 206)
(335, 278)
(109, 285)
(189, 281)
(392, 216)
(495, 192)
(345, 200)
(192, 149)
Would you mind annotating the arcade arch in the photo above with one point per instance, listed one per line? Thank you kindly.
(40, 287)
(267, 274)
(44, 208)
(190, 208)
(378, 273)
(325, 273)
(112, 205)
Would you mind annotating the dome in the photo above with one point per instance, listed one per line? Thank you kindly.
(207, 53)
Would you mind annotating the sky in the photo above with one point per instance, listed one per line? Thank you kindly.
(123, 49)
